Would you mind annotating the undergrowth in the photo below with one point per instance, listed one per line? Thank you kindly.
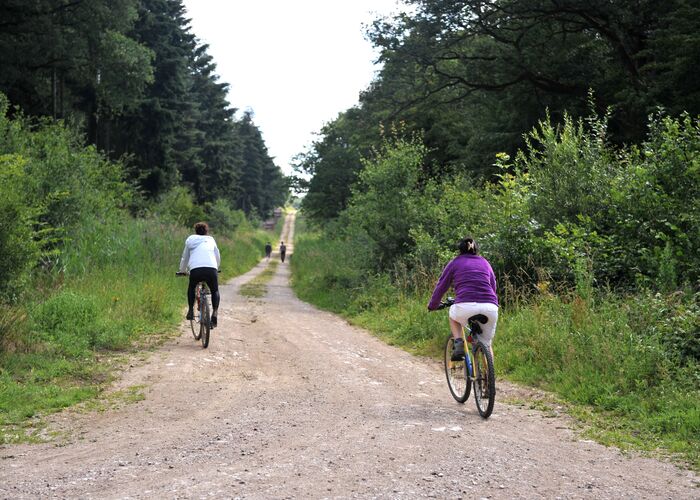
(115, 292)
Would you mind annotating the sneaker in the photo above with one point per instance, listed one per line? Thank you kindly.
(213, 321)
(190, 315)
(458, 350)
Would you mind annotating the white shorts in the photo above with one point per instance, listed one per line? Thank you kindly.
(462, 311)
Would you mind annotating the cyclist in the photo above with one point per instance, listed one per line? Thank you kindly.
(475, 289)
(268, 250)
(283, 250)
(201, 257)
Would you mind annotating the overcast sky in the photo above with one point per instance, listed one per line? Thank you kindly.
(295, 63)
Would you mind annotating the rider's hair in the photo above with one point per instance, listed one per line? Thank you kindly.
(468, 246)
(201, 228)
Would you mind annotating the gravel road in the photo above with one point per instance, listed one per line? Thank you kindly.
(292, 402)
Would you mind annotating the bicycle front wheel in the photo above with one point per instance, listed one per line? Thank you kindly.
(484, 380)
(205, 323)
(195, 328)
(457, 374)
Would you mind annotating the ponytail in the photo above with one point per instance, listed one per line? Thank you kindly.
(468, 246)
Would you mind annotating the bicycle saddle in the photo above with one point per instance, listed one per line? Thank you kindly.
(478, 317)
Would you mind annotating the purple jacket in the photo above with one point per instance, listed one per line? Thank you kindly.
(472, 278)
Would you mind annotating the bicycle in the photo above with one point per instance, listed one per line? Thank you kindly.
(476, 369)
(200, 324)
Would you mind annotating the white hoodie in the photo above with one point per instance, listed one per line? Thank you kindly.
(200, 251)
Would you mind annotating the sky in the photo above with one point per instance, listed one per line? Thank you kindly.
(295, 63)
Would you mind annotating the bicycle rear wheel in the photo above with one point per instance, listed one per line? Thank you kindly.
(484, 380)
(457, 374)
(205, 323)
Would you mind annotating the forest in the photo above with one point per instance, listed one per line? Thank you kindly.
(137, 84)
(565, 137)
(116, 135)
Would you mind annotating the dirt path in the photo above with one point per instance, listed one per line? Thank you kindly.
(292, 402)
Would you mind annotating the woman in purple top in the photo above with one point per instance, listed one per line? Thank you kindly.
(475, 289)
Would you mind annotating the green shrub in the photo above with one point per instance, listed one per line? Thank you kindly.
(383, 203)
(67, 322)
(178, 206)
(19, 243)
(223, 219)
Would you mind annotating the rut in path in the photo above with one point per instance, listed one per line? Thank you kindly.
(292, 402)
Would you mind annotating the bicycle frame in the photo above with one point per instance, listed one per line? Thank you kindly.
(467, 337)
(200, 291)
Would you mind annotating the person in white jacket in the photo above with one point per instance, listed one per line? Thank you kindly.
(202, 259)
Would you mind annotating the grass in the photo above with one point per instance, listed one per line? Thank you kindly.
(257, 287)
(611, 359)
(116, 294)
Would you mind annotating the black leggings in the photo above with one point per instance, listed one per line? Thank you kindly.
(210, 277)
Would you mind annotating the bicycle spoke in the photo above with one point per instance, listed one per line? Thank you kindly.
(456, 373)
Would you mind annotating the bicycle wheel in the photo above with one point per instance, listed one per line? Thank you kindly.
(205, 324)
(484, 380)
(457, 374)
(196, 328)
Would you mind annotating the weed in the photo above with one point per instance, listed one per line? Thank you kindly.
(257, 287)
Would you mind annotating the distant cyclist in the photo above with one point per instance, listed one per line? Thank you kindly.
(268, 250)
(475, 288)
(201, 257)
(283, 250)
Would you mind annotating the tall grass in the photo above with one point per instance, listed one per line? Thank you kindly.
(612, 355)
(116, 290)
(615, 359)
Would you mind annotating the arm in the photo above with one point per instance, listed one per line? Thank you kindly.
(185, 258)
(492, 279)
(218, 257)
(442, 285)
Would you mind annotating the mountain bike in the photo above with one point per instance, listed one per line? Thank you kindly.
(200, 324)
(476, 369)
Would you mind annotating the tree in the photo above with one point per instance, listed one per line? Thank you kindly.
(555, 50)
(70, 59)
(160, 132)
(216, 172)
(261, 181)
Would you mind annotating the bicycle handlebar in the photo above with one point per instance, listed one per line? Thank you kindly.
(178, 273)
(446, 303)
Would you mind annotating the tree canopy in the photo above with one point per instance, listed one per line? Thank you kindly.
(135, 80)
(473, 76)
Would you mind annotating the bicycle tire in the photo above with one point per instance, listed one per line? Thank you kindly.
(196, 329)
(205, 325)
(457, 374)
(484, 380)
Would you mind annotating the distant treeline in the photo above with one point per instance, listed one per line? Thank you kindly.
(474, 77)
(133, 78)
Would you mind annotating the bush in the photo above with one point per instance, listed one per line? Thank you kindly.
(223, 219)
(19, 245)
(66, 322)
(50, 184)
(384, 202)
(178, 206)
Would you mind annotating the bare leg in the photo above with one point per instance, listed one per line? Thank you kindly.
(456, 329)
